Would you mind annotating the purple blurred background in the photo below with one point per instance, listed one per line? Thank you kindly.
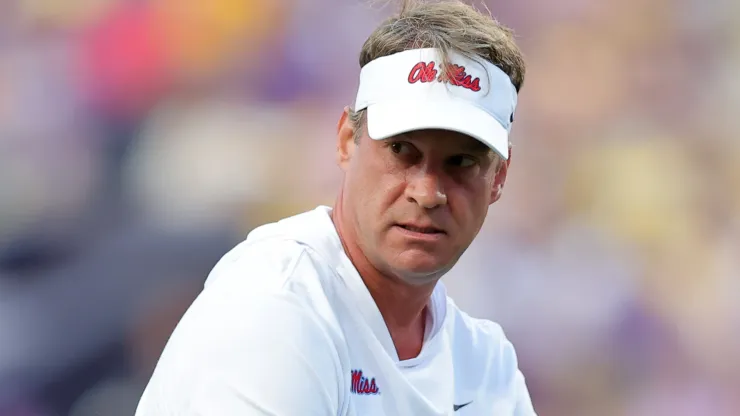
(141, 139)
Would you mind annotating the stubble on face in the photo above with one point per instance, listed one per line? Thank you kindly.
(383, 189)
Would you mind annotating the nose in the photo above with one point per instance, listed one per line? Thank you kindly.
(425, 189)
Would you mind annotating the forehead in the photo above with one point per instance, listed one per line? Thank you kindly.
(446, 139)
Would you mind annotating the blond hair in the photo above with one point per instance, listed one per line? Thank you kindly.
(447, 26)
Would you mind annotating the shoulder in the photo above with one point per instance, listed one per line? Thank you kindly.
(246, 335)
(261, 324)
(260, 294)
(232, 354)
(275, 269)
(265, 281)
(254, 261)
(253, 290)
(482, 351)
(264, 266)
(275, 256)
(486, 364)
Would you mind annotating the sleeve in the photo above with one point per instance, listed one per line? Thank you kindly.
(523, 406)
(509, 373)
(236, 355)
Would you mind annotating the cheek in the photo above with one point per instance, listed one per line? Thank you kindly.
(380, 198)
(382, 181)
(389, 188)
(469, 205)
(375, 191)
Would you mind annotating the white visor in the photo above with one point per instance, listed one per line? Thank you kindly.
(403, 92)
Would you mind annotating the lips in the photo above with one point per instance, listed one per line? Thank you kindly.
(423, 229)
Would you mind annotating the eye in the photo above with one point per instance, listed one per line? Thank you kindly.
(462, 161)
(400, 148)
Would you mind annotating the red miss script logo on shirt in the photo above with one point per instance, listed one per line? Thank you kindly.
(426, 72)
(363, 385)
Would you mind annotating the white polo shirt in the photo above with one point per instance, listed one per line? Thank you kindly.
(285, 326)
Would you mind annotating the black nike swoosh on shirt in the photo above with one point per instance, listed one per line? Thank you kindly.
(457, 407)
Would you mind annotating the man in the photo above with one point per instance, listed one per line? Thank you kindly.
(340, 311)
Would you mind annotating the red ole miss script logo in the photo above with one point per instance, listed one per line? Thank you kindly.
(425, 72)
(363, 385)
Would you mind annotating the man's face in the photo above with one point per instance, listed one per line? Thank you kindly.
(419, 199)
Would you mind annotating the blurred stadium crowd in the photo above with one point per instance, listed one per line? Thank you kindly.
(141, 139)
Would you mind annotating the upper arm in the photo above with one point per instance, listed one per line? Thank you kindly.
(281, 364)
(236, 353)
(519, 391)
(523, 405)
(507, 372)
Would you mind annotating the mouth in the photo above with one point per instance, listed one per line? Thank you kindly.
(421, 229)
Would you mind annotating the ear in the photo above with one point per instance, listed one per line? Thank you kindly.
(345, 140)
(500, 179)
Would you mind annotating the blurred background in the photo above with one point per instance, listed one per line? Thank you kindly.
(141, 139)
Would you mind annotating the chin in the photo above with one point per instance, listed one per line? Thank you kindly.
(417, 265)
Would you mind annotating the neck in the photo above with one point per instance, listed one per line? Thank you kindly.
(402, 305)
